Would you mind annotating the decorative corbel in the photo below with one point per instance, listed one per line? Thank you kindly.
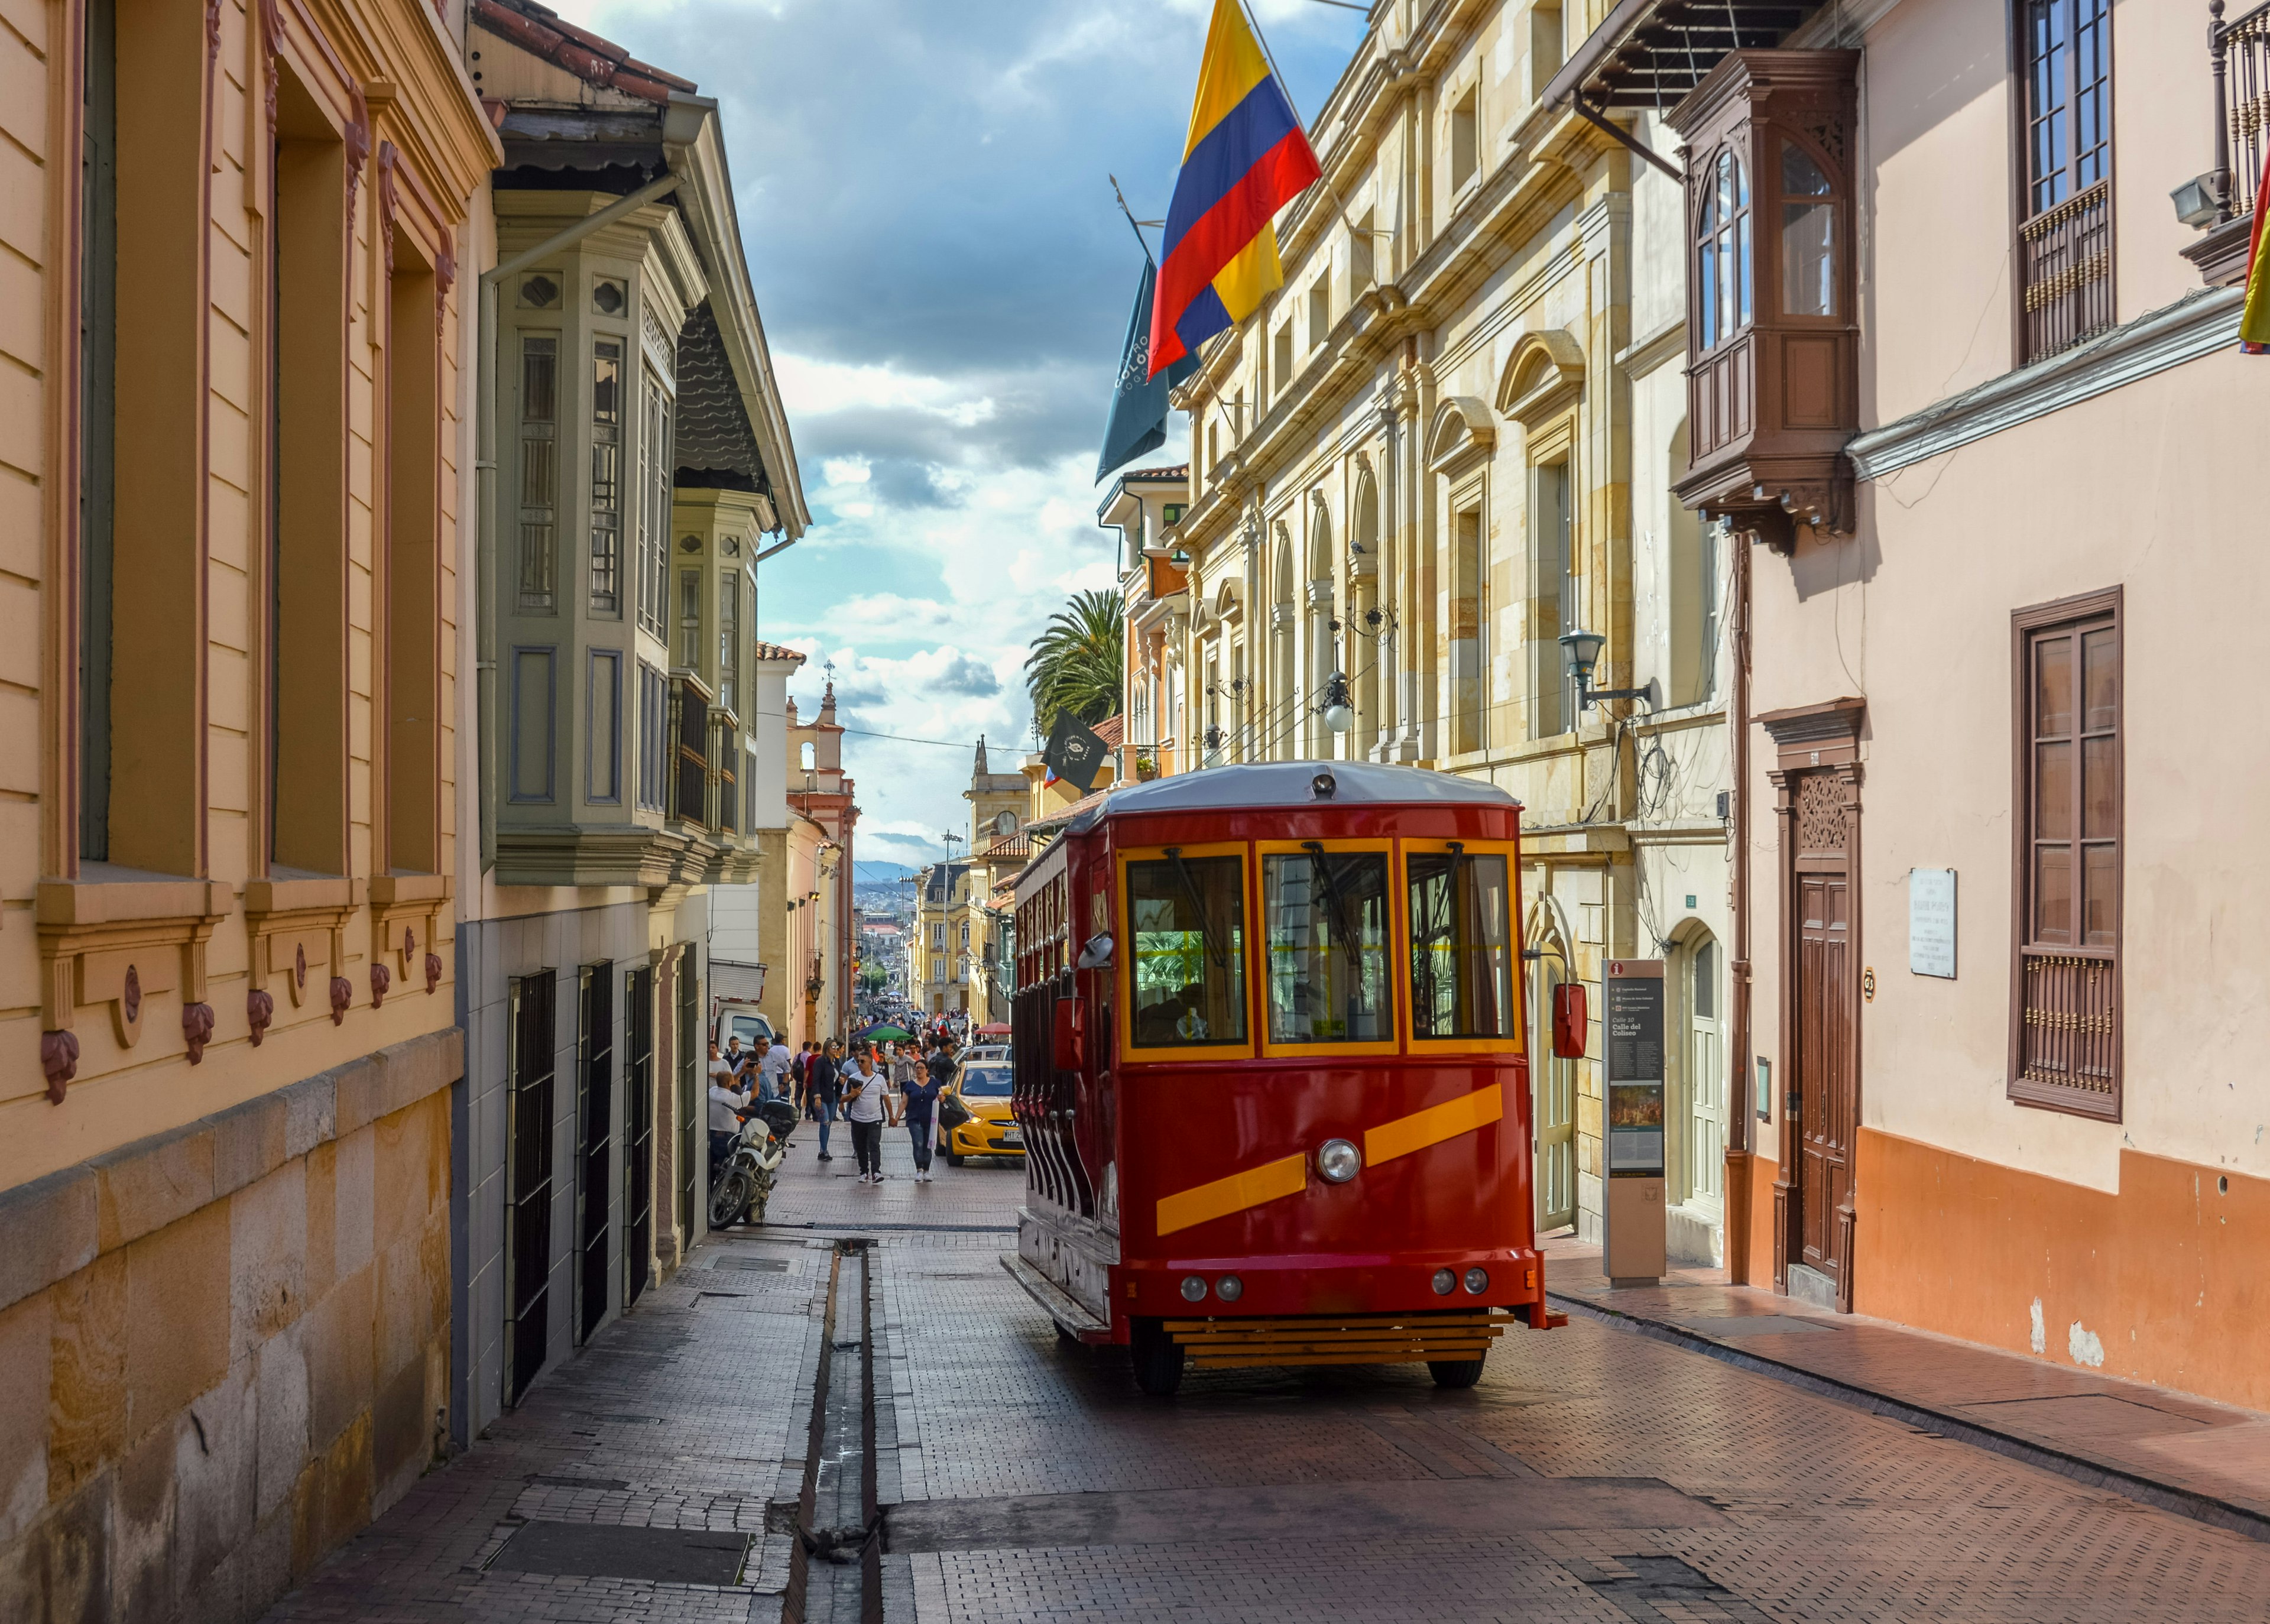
(59, 1059)
(259, 1010)
(115, 945)
(196, 1029)
(380, 979)
(342, 998)
(432, 972)
(357, 139)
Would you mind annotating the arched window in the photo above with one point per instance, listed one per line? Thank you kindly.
(1722, 244)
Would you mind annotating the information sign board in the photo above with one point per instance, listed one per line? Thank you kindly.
(1633, 1021)
(1930, 921)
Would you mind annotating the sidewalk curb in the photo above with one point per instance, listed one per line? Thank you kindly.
(2094, 1473)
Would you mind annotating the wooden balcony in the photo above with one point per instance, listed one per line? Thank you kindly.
(2240, 53)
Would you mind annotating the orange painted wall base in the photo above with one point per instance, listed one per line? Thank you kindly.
(2161, 1282)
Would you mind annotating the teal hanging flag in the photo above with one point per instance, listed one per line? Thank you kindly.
(1138, 404)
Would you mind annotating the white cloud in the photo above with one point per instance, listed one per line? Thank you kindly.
(811, 388)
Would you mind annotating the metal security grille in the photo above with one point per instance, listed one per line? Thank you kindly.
(595, 1153)
(692, 1161)
(638, 1133)
(528, 1196)
(2066, 242)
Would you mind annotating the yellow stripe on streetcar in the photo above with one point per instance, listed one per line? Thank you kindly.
(1433, 1125)
(1287, 1175)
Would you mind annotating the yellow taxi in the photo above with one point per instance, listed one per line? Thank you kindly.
(982, 1087)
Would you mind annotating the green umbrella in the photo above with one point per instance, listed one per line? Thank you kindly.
(884, 1033)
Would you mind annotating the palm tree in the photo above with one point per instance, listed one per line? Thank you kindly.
(1079, 662)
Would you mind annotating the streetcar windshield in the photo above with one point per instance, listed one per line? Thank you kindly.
(1461, 946)
(1326, 920)
(1188, 957)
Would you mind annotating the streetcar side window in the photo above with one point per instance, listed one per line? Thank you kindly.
(1187, 919)
(1461, 946)
(1326, 933)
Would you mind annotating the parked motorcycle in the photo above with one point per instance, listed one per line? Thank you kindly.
(741, 1181)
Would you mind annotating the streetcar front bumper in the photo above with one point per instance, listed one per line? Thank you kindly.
(1452, 1281)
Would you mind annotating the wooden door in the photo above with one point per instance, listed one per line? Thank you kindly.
(1827, 1094)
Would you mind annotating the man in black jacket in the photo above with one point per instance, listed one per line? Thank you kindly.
(823, 1090)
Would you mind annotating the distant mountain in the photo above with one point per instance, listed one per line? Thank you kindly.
(881, 873)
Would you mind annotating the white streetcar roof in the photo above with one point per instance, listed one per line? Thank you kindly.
(1293, 783)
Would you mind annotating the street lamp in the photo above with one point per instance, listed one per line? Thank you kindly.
(1582, 652)
(1339, 716)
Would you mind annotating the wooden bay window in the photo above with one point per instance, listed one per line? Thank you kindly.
(1773, 349)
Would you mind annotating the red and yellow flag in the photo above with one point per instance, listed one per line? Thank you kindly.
(2254, 321)
(1246, 158)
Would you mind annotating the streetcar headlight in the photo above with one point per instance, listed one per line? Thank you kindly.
(1193, 1288)
(1229, 1289)
(1338, 1160)
(1477, 1281)
(1445, 1282)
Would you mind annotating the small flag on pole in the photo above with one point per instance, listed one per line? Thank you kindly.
(1075, 753)
(1246, 157)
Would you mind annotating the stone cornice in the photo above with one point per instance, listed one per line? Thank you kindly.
(2198, 324)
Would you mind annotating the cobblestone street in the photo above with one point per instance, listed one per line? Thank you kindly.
(1595, 1475)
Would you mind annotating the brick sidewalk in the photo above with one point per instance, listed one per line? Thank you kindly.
(657, 1450)
(2207, 1459)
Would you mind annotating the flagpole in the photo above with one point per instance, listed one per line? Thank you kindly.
(1323, 173)
(1135, 225)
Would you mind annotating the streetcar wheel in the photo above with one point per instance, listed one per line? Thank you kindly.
(1158, 1361)
(1455, 1372)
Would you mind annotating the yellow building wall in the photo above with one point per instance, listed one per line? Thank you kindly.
(226, 1311)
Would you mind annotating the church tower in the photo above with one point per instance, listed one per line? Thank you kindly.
(997, 803)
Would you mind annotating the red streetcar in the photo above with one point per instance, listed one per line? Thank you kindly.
(1269, 1068)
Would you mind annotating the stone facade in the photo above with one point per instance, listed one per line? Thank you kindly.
(226, 1345)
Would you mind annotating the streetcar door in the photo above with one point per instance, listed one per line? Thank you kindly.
(1552, 1095)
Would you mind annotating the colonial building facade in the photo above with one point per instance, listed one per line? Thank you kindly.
(1976, 420)
(1908, 497)
(240, 314)
(1450, 440)
(637, 466)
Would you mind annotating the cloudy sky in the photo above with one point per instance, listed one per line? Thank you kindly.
(946, 281)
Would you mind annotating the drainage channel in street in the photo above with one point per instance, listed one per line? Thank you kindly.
(836, 1577)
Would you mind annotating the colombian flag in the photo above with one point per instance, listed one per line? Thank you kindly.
(1245, 159)
(2254, 321)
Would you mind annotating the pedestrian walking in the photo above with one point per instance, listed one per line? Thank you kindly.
(867, 1102)
(922, 1089)
(823, 1092)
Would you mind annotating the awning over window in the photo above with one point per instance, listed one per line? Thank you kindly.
(1650, 53)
